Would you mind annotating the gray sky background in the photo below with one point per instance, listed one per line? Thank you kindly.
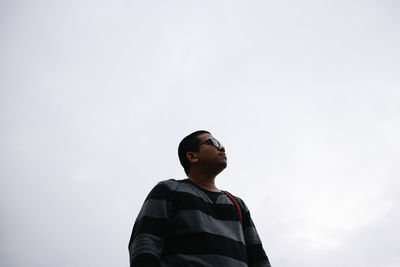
(96, 95)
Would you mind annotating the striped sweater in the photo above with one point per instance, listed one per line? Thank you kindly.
(181, 224)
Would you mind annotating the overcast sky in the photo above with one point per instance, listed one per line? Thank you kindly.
(96, 95)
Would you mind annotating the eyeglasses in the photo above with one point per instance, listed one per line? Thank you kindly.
(212, 141)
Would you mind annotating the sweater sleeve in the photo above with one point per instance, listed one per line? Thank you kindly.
(149, 230)
(256, 256)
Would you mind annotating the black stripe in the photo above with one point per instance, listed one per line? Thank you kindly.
(149, 225)
(219, 211)
(247, 222)
(256, 253)
(161, 191)
(145, 260)
(205, 244)
(187, 201)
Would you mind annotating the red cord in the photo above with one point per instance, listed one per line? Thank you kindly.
(237, 206)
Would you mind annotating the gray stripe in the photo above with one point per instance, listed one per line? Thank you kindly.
(146, 243)
(187, 188)
(200, 261)
(196, 221)
(192, 189)
(156, 208)
(224, 199)
(251, 236)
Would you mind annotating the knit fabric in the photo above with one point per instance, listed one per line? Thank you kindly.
(181, 225)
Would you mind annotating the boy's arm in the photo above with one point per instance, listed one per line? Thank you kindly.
(255, 252)
(151, 226)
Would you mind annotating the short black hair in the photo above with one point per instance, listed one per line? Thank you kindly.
(189, 144)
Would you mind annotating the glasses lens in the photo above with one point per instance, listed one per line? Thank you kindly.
(215, 143)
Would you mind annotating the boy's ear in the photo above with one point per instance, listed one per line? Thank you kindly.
(192, 157)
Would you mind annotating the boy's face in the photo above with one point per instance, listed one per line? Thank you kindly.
(211, 152)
